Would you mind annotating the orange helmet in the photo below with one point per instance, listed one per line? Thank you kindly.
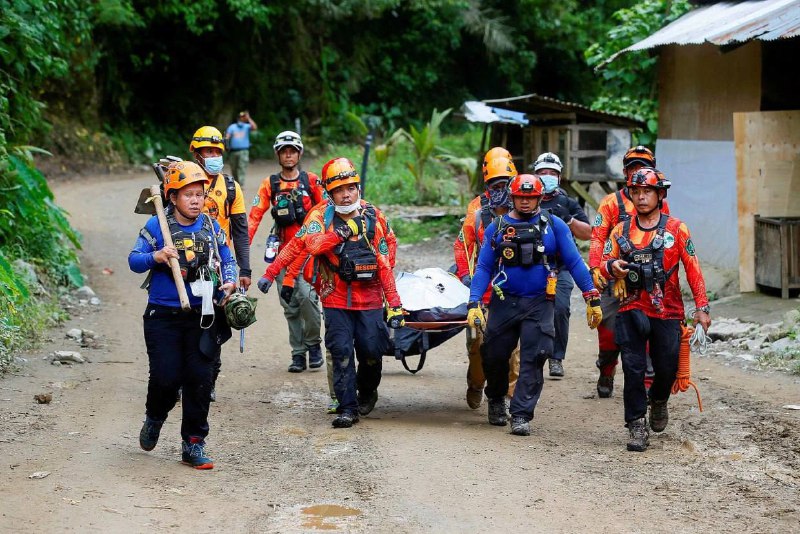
(495, 152)
(641, 154)
(339, 171)
(526, 185)
(181, 174)
(499, 168)
(206, 136)
(649, 177)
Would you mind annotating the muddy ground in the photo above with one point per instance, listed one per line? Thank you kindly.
(421, 462)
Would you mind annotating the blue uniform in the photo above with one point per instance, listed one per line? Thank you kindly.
(524, 316)
(239, 133)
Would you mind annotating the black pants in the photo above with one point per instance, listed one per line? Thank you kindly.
(633, 330)
(173, 339)
(528, 321)
(365, 332)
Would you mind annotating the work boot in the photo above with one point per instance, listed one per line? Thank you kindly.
(315, 359)
(659, 415)
(194, 454)
(148, 435)
(556, 368)
(333, 405)
(497, 412)
(366, 403)
(639, 435)
(474, 398)
(298, 363)
(345, 420)
(605, 383)
(520, 427)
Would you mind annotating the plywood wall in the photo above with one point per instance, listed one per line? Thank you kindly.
(767, 175)
(700, 87)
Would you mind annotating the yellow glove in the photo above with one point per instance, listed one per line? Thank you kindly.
(475, 317)
(594, 315)
(395, 317)
(355, 227)
(599, 281)
(620, 289)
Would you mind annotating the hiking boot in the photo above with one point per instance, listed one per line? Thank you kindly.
(605, 386)
(556, 368)
(520, 427)
(315, 359)
(148, 435)
(298, 363)
(659, 415)
(345, 420)
(639, 435)
(366, 403)
(497, 412)
(333, 405)
(474, 398)
(194, 454)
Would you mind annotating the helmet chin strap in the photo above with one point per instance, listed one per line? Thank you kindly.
(527, 215)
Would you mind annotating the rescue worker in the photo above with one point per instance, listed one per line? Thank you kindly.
(354, 279)
(548, 168)
(225, 203)
(642, 256)
(498, 170)
(614, 208)
(516, 259)
(290, 194)
(294, 257)
(182, 346)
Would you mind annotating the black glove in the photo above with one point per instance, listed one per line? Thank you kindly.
(561, 212)
(264, 284)
(466, 280)
(286, 293)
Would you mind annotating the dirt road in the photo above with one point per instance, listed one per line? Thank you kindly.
(422, 462)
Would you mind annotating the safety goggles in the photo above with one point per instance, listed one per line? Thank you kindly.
(212, 139)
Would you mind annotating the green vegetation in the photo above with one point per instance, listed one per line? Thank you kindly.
(414, 232)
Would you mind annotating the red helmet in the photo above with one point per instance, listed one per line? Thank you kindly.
(526, 185)
(649, 177)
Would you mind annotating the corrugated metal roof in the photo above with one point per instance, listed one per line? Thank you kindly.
(533, 105)
(727, 22)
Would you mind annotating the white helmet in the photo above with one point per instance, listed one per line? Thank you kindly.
(548, 160)
(288, 138)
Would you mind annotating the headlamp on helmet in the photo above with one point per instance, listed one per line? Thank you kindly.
(649, 177)
(206, 136)
(526, 185)
(288, 138)
(548, 160)
(338, 172)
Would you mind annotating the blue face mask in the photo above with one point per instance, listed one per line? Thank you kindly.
(213, 165)
(499, 198)
(550, 183)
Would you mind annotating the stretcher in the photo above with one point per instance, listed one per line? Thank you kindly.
(437, 306)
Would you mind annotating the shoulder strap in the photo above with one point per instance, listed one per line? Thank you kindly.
(371, 217)
(623, 214)
(145, 233)
(274, 186)
(303, 180)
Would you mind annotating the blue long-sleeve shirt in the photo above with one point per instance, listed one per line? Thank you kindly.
(529, 281)
(162, 289)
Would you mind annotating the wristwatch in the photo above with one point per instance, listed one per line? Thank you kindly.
(704, 309)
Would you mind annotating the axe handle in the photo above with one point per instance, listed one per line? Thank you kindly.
(173, 263)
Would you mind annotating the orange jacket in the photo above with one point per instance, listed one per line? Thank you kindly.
(469, 241)
(320, 241)
(607, 217)
(678, 247)
(263, 201)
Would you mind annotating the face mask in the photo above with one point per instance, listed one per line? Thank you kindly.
(344, 210)
(213, 165)
(550, 182)
(498, 198)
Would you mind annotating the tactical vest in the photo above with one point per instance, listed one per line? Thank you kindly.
(357, 259)
(646, 264)
(290, 206)
(522, 244)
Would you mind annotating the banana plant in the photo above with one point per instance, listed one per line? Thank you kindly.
(424, 145)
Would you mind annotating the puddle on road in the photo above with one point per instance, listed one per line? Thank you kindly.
(319, 514)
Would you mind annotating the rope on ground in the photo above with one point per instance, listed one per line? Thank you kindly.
(683, 378)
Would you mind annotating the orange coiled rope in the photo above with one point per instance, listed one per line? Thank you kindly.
(683, 378)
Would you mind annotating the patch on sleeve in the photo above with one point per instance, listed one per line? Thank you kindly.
(301, 232)
(383, 248)
(689, 247)
(598, 220)
(669, 240)
(256, 200)
(315, 227)
(607, 247)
